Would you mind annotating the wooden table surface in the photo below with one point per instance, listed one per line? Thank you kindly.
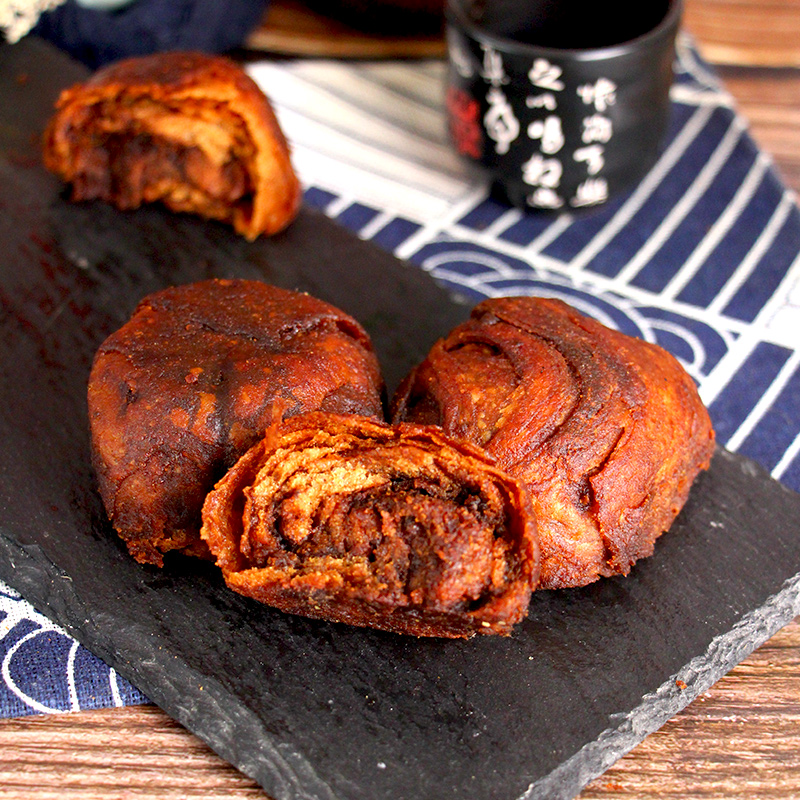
(739, 740)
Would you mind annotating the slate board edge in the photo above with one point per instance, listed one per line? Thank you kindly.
(699, 675)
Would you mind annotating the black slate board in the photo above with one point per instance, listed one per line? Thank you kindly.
(311, 709)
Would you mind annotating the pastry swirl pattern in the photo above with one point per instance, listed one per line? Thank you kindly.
(606, 431)
(394, 527)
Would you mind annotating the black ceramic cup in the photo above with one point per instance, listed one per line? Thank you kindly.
(563, 103)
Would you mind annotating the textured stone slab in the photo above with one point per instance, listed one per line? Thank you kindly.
(311, 709)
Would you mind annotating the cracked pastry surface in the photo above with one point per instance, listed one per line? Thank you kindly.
(193, 379)
(393, 527)
(189, 130)
(606, 431)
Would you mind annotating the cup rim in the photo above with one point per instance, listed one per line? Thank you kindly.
(456, 14)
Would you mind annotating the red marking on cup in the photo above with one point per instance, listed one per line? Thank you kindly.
(464, 125)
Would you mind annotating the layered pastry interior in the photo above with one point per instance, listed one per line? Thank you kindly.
(188, 130)
(398, 528)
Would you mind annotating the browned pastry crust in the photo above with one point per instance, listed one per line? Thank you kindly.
(397, 528)
(190, 130)
(193, 379)
(606, 431)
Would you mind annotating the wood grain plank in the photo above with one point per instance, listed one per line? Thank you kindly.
(291, 28)
(769, 99)
(746, 32)
(136, 751)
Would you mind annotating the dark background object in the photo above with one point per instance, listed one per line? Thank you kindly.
(567, 23)
(311, 709)
(386, 17)
(556, 127)
(97, 37)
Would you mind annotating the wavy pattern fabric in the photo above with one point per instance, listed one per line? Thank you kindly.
(702, 257)
(45, 671)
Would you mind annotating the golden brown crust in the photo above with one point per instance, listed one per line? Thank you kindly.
(194, 378)
(398, 528)
(606, 431)
(187, 129)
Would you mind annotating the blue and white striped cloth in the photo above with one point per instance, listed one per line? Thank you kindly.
(702, 257)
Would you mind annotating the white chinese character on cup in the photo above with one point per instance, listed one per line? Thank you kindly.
(593, 156)
(545, 198)
(545, 100)
(591, 192)
(546, 75)
(597, 128)
(549, 132)
(601, 94)
(493, 70)
(541, 171)
(500, 122)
